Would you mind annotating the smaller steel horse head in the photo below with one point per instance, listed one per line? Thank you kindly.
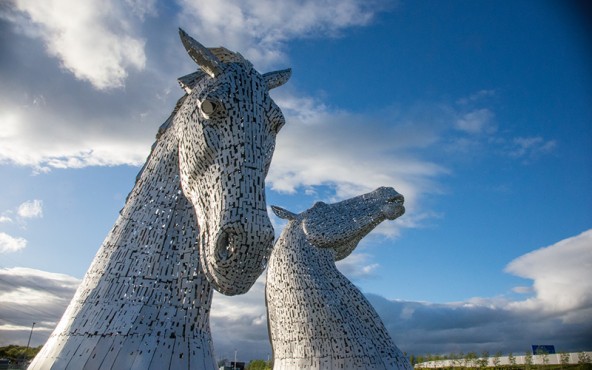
(342, 225)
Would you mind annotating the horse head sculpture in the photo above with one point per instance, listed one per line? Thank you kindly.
(195, 220)
(340, 226)
(317, 318)
(227, 127)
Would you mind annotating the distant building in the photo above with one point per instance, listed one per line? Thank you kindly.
(4, 363)
(230, 365)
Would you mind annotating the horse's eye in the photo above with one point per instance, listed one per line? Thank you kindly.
(208, 107)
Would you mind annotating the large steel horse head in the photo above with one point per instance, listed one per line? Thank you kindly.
(227, 127)
(195, 220)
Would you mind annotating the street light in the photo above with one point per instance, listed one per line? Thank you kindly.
(234, 365)
(23, 356)
(30, 334)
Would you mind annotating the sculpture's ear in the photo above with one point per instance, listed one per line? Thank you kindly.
(201, 55)
(188, 81)
(283, 213)
(277, 78)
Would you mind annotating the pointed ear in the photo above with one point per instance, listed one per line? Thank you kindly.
(188, 81)
(201, 55)
(283, 213)
(277, 78)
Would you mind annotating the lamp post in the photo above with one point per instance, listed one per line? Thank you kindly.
(24, 354)
(234, 366)
(30, 334)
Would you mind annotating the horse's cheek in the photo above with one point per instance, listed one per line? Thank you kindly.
(211, 143)
(191, 156)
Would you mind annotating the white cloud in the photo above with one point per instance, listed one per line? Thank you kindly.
(142, 8)
(476, 122)
(101, 42)
(357, 153)
(31, 209)
(92, 39)
(259, 28)
(312, 152)
(9, 244)
(5, 219)
(522, 289)
(240, 322)
(66, 137)
(357, 266)
(30, 295)
(562, 278)
(531, 147)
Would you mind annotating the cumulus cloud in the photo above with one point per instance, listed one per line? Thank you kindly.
(562, 278)
(260, 28)
(5, 219)
(64, 66)
(560, 312)
(60, 143)
(76, 126)
(9, 244)
(390, 146)
(357, 266)
(103, 43)
(31, 209)
(377, 148)
(92, 39)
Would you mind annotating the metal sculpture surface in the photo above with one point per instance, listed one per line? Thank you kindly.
(196, 219)
(317, 318)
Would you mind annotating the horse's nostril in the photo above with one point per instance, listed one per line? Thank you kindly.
(399, 199)
(223, 246)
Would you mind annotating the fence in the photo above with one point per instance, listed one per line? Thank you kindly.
(542, 359)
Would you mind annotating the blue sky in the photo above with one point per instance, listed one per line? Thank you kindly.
(479, 112)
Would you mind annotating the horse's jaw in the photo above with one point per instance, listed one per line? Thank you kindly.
(233, 258)
(234, 242)
(342, 225)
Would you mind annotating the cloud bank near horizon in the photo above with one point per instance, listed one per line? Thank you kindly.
(477, 324)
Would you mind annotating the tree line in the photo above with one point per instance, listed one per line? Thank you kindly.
(18, 353)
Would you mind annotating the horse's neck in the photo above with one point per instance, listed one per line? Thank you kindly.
(293, 252)
(157, 206)
(155, 240)
(158, 185)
